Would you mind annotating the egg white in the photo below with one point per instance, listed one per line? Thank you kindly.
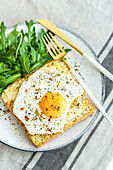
(32, 91)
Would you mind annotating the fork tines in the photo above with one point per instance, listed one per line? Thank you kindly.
(53, 47)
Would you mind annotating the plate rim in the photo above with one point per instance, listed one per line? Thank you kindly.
(97, 112)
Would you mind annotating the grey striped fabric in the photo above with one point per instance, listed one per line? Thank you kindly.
(93, 20)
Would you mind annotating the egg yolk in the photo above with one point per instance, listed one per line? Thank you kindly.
(53, 105)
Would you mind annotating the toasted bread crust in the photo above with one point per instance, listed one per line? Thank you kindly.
(9, 95)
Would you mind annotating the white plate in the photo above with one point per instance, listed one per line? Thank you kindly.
(12, 134)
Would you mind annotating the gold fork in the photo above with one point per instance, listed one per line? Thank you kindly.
(55, 49)
(57, 52)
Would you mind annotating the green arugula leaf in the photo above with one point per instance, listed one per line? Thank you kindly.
(33, 40)
(11, 72)
(46, 55)
(24, 57)
(17, 66)
(41, 34)
(12, 52)
(29, 34)
(2, 81)
(3, 68)
(12, 38)
(13, 78)
(36, 66)
(67, 50)
(38, 57)
(6, 59)
(41, 47)
(33, 55)
(3, 37)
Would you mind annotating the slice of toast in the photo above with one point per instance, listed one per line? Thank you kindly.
(79, 109)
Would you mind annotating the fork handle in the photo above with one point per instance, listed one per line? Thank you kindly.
(92, 97)
(98, 66)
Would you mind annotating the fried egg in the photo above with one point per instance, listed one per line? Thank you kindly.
(44, 99)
